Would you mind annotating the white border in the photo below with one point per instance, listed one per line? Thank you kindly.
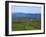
(28, 31)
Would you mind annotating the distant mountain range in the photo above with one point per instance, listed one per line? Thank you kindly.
(27, 15)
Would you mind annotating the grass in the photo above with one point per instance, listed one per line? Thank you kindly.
(26, 24)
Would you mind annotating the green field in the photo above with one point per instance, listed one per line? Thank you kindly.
(26, 24)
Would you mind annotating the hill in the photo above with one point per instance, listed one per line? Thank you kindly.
(27, 15)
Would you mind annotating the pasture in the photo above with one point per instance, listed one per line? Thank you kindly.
(26, 24)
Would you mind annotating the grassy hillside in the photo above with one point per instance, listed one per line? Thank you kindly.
(26, 24)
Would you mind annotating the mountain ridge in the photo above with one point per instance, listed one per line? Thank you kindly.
(28, 15)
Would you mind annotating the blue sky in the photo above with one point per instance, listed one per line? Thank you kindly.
(26, 9)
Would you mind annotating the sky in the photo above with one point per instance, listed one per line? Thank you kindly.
(26, 9)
